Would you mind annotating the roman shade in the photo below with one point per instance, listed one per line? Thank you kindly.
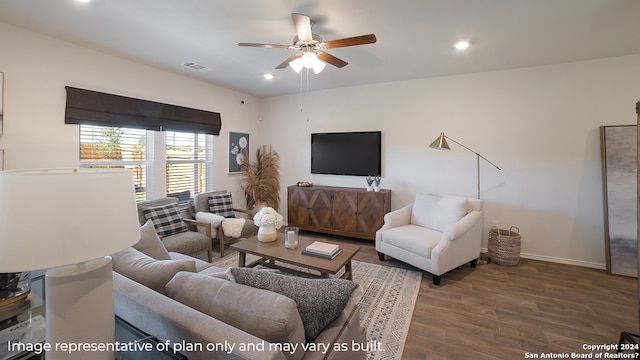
(96, 108)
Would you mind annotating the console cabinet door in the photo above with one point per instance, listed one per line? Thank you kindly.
(372, 206)
(308, 207)
(297, 205)
(345, 211)
(319, 208)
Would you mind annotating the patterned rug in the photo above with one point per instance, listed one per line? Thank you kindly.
(385, 308)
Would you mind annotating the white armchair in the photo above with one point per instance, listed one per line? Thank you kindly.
(436, 233)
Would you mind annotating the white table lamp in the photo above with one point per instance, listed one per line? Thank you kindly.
(69, 221)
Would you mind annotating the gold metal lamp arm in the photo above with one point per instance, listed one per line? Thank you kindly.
(475, 152)
(441, 143)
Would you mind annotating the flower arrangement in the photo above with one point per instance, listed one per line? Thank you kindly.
(268, 216)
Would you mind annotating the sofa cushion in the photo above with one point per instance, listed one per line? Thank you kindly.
(221, 204)
(150, 243)
(143, 269)
(166, 219)
(436, 212)
(413, 238)
(319, 301)
(265, 314)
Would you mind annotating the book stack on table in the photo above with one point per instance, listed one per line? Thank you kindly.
(322, 250)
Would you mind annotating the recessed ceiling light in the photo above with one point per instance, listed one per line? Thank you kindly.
(268, 76)
(461, 45)
(83, 1)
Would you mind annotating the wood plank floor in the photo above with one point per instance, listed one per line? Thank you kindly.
(504, 312)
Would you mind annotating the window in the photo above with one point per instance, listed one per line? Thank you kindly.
(110, 147)
(187, 164)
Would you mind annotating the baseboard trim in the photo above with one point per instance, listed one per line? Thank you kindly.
(561, 260)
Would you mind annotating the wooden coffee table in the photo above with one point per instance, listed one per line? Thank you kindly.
(271, 252)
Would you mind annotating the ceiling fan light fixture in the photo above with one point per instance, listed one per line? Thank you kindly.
(296, 65)
(309, 59)
(318, 66)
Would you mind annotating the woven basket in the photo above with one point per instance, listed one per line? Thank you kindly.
(504, 246)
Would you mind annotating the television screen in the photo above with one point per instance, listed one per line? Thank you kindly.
(347, 153)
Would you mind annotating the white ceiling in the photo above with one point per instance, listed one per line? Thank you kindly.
(415, 37)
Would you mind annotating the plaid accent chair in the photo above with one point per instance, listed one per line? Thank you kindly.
(177, 232)
(220, 203)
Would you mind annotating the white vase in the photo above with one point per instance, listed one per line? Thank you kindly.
(267, 233)
(369, 188)
(376, 188)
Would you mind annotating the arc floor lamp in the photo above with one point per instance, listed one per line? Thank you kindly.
(441, 144)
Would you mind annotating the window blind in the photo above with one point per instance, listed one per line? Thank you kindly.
(101, 109)
(187, 162)
(108, 147)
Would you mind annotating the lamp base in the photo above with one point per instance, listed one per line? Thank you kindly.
(79, 309)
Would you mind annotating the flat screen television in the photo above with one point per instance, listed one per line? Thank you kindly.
(347, 153)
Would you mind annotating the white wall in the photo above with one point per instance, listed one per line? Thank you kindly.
(540, 125)
(36, 70)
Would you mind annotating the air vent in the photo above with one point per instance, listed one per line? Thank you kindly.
(196, 67)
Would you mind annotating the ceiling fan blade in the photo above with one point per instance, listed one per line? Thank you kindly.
(264, 45)
(352, 41)
(303, 26)
(328, 58)
(285, 63)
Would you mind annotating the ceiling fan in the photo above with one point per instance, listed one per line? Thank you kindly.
(311, 48)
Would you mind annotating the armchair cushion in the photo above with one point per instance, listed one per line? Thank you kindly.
(221, 204)
(166, 219)
(437, 213)
(413, 238)
(150, 243)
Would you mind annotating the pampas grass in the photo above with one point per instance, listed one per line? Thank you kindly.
(261, 183)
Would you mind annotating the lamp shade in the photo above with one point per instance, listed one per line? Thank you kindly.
(50, 218)
(440, 143)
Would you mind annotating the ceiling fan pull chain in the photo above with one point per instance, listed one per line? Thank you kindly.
(300, 92)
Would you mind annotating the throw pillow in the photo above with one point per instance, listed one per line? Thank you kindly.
(143, 269)
(233, 227)
(436, 212)
(166, 219)
(319, 301)
(213, 219)
(150, 243)
(222, 205)
(264, 314)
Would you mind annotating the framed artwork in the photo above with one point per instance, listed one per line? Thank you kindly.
(1, 102)
(619, 171)
(238, 146)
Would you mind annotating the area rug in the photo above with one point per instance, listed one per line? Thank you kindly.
(386, 306)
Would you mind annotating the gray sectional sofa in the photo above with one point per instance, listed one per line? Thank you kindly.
(182, 300)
